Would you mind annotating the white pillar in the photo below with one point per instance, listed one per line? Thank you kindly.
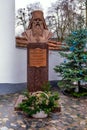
(12, 60)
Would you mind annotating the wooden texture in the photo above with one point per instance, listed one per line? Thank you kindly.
(37, 66)
(37, 57)
(52, 45)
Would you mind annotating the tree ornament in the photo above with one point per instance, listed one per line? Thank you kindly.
(80, 72)
(84, 57)
(72, 48)
(83, 65)
(74, 33)
(64, 60)
(75, 43)
(74, 58)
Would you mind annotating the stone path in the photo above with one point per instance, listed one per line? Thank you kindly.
(72, 117)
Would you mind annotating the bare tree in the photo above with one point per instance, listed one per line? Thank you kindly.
(83, 10)
(24, 14)
(63, 17)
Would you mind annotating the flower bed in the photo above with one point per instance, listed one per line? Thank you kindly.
(40, 101)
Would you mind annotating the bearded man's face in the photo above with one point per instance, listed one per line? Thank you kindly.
(37, 27)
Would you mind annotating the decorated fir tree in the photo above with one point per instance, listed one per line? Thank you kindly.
(74, 68)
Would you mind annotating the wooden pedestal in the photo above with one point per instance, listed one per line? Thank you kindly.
(37, 66)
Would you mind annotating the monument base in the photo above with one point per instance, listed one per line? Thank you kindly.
(37, 66)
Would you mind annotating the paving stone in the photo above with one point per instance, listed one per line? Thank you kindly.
(40, 124)
(11, 129)
(5, 119)
(4, 128)
(23, 126)
(51, 128)
(14, 125)
(72, 117)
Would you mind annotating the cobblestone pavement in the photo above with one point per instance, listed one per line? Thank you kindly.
(73, 116)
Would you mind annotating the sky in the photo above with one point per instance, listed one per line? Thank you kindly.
(23, 3)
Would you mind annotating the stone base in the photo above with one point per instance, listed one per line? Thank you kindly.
(19, 100)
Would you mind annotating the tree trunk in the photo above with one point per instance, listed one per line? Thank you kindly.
(77, 89)
(79, 85)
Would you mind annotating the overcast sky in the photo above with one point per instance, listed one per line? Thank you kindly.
(44, 3)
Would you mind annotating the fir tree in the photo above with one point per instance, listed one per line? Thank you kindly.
(74, 68)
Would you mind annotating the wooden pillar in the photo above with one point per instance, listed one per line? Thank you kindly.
(37, 66)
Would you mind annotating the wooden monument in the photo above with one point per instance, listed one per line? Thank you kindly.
(36, 39)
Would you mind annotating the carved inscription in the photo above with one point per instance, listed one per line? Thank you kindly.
(37, 57)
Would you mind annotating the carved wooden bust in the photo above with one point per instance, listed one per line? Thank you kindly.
(37, 32)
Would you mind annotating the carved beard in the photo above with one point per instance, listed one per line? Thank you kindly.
(37, 30)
